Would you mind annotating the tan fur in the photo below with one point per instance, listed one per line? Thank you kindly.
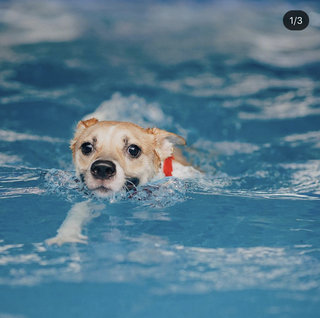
(111, 139)
(82, 124)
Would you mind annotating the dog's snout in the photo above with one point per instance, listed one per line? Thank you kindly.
(103, 169)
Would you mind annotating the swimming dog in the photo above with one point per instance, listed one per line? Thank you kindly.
(110, 156)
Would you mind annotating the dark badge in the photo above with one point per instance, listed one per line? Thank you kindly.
(296, 20)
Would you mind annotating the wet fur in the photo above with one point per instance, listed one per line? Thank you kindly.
(111, 139)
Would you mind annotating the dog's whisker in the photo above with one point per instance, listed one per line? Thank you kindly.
(126, 188)
(132, 183)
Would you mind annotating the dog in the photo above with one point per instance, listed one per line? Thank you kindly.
(111, 156)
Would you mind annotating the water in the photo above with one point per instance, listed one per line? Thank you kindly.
(243, 240)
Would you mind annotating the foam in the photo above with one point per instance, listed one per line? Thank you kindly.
(37, 21)
(200, 30)
(312, 137)
(8, 159)
(133, 109)
(285, 109)
(228, 148)
(5, 315)
(63, 184)
(305, 177)
(205, 85)
(176, 268)
(18, 192)
(162, 193)
(12, 136)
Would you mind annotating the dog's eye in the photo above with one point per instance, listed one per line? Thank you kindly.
(86, 148)
(134, 151)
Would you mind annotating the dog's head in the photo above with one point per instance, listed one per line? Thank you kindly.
(110, 156)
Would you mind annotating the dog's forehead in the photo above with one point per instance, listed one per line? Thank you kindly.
(104, 131)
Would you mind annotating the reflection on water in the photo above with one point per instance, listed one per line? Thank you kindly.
(172, 268)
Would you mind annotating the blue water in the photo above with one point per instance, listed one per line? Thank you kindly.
(243, 240)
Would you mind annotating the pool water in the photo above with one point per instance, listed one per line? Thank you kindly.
(240, 241)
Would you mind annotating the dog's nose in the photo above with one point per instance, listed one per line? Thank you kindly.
(103, 169)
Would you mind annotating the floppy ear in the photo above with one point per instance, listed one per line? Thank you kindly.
(165, 141)
(87, 123)
(82, 125)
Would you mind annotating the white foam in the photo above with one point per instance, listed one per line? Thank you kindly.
(5, 315)
(286, 49)
(309, 137)
(37, 21)
(12, 136)
(205, 85)
(6, 248)
(8, 159)
(200, 29)
(18, 192)
(288, 105)
(23, 177)
(19, 259)
(228, 148)
(305, 177)
(132, 108)
(177, 268)
(202, 85)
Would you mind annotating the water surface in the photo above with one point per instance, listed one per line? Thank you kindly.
(243, 241)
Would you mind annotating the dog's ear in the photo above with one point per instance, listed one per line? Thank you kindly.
(165, 141)
(82, 125)
(86, 123)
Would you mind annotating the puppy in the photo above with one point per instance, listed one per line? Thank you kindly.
(110, 156)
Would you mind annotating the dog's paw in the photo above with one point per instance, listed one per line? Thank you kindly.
(62, 239)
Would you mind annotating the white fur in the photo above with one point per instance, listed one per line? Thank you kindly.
(70, 230)
(184, 172)
(114, 184)
(179, 171)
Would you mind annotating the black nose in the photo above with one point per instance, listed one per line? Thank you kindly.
(103, 169)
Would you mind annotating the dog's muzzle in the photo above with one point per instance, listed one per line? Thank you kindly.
(103, 169)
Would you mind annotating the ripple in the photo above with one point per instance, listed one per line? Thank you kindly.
(176, 268)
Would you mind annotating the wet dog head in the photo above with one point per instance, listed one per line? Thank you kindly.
(110, 156)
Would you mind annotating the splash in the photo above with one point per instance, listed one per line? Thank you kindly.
(133, 109)
(161, 193)
(64, 184)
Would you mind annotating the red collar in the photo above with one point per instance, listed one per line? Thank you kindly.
(167, 166)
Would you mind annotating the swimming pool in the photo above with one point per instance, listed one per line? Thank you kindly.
(243, 241)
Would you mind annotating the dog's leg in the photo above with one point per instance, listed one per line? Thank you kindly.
(70, 230)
